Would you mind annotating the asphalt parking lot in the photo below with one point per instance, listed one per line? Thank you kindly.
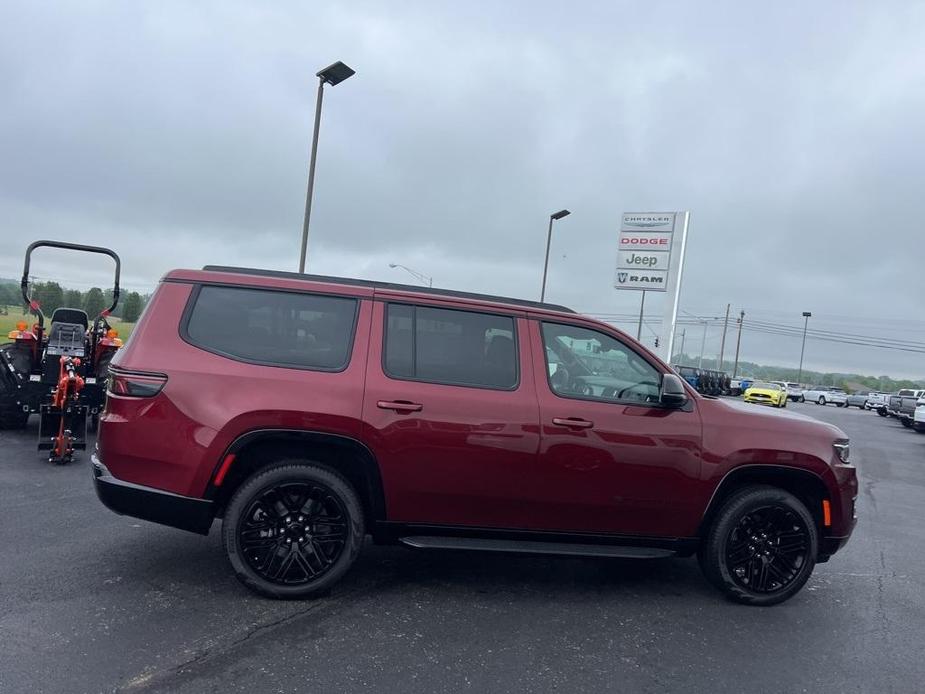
(94, 602)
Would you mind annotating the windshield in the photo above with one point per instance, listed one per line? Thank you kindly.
(766, 386)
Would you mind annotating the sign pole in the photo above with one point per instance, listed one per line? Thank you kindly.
(642, 306)
(678, 248)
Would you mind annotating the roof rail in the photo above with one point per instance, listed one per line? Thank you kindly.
(350, 281)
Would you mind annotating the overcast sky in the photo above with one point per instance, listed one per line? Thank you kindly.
(178, 134)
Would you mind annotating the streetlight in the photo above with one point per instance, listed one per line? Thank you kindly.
(333, 75)
(419, 276)
(553, 217)
(806, 317)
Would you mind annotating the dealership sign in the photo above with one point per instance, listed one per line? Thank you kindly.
(644, 255)
(650, 257)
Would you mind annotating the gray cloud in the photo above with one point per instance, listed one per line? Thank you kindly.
(179, 134)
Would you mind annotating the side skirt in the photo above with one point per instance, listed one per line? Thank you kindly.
(532, 541)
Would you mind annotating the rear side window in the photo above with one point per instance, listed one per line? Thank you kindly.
(450, 346)
(306, 331)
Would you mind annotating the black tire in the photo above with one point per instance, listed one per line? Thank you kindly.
(906, 423)
(726, 540)
(821, 400)
(297, 545)
(11, 412)
(802, 399)
(841, 404)
(882, 412)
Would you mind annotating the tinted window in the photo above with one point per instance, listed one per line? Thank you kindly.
(270, 327)
(448, 346)
(593, 365)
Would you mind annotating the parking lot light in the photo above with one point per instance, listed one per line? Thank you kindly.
(555, 216)
(332, 75)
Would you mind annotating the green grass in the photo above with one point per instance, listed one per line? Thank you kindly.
(14, 315)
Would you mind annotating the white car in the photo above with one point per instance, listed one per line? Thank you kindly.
(918, 419)
(795, 392)
(877, 401)
(823, 395)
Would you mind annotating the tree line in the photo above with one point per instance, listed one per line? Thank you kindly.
(52, 295)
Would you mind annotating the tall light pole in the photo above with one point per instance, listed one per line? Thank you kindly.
(333, 75)
(806, 316)
(553, 217)
(419, 276)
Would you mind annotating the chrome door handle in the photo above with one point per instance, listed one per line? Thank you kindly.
(572, 422)
(399, 405)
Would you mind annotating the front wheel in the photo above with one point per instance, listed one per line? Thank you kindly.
(761, 547)
(293, 530)
(821, 400)
(802, 399)
(882, 411)
(906, 423)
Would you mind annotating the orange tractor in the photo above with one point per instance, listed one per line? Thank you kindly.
(59, 373)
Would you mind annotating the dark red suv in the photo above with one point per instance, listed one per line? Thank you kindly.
(308, 412)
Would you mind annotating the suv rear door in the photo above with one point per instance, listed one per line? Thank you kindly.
(611, 458)
(450, 412)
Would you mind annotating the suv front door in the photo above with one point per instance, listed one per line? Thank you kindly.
(612, 459)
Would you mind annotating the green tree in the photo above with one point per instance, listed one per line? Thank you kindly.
(94, 302)
(50, 296)
(131, 307)
(73, 298)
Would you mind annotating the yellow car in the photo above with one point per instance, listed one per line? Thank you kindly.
(767, 394)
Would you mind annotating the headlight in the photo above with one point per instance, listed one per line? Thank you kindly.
(841, 449)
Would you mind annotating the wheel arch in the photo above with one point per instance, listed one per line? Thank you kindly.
(807, 486)
(345, 455)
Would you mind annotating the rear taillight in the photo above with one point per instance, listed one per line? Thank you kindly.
(134, 385)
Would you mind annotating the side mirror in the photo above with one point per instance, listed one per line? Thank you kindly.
(673, 394)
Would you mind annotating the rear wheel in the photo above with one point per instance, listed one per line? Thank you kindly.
(293, 530)
(882, 411)
(761, 547)
(906, 423)
(821, 400)
(802, 399)
(12, 415)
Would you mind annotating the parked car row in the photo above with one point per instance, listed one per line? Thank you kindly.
(705, 381)
(906, 405)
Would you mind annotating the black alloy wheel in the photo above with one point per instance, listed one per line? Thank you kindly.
(766, 549)
(762, 546)
(292, 530)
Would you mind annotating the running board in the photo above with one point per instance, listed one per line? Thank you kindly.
(535, 547)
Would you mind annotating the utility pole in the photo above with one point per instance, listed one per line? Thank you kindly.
(806, 316)
(683, 333)
(735, 368)
(642, 306)
(722, 345)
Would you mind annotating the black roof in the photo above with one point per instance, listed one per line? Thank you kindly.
(350, 281)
